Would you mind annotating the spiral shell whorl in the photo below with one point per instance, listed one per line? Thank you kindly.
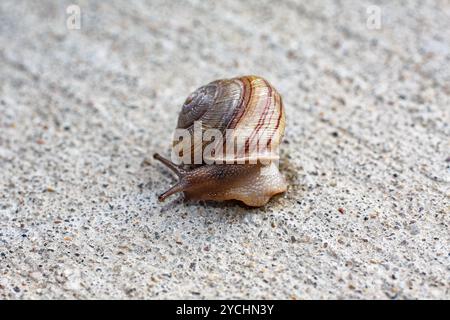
(196, 105)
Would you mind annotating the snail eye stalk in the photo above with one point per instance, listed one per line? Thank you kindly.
(180, 186)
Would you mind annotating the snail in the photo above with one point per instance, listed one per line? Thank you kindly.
(247, 110)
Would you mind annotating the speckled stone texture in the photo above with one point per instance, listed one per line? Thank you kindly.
(366, 151)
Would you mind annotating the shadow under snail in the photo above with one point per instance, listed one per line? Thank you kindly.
(253, 109)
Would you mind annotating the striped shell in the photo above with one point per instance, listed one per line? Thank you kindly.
(249, 105)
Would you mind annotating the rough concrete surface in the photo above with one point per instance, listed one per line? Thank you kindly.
(366, 151)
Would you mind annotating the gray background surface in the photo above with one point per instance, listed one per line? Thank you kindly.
(366, 151)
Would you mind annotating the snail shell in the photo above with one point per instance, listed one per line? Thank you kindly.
(249, 106)
(253, 109)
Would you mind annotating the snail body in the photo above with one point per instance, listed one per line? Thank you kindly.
(246, 110)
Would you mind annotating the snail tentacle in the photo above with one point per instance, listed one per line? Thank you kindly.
(180, 186)
(180, 172)
(169, 164)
